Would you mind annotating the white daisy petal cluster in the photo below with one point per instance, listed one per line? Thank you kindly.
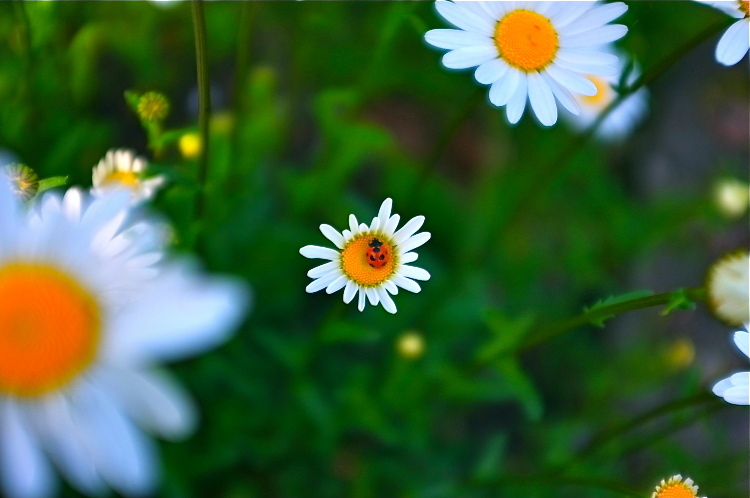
(735, 389)
(90, 305)
(735, 42)
(371, 261)
(728, 288)
(121, 168)
(535, 51)
(674, 487)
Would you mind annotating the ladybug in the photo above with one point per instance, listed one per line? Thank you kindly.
(377, 254)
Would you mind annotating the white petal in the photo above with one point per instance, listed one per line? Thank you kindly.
(323, 282)
(386, 300)
(361, 303)
(409, 257)
(384, 213)
(491, 71)
(569, 12)
(562, 94)
(742, 340)
(594, 37)
(463, 18)
(542, 100)
(333, 235)
(321, 270)
(503, 89)
(353, 225)
(372, 296)
(24, 469)
(317, 252)
(390, 287)
(363, 228)
(350, 291)
(390, 227)
(466, 57)
(589, 69)
(738, 395)
(337, 284)
(414, 242)
(73, 203)
(583, 56)
(413, 272)
(574, 82)
(408, 230)
(375, 225)
(406, 283)
(517, 103)
(597, 16)
(734, 44)
(452, 39)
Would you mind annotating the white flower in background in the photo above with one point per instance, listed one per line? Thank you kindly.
(536, 50)
(732, 197)
(675, 487)
(735, 42)
(89, 306)
(372, 261)
(735, 389)
(621, 121)
(122, 169)
(728, 288)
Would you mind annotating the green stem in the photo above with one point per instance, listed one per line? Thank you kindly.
(204, 102)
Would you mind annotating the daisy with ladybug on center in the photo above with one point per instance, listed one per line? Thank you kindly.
(372, 261)
(540, 51)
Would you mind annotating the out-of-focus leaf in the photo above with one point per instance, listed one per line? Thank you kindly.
(602, 303)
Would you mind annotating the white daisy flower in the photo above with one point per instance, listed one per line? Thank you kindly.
(728, 288)
(122, 169)
(735, 389)
(372, 261)
(89, 305)
(536, 50)
(735, 42)
(621, 120)
(675, 487)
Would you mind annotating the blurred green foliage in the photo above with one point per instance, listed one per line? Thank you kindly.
(322, 109)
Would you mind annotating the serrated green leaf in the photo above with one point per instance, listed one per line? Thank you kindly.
(602, 303)
(678, 300)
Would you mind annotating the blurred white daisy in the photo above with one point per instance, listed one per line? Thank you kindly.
(728, 288)
(675, 487)
(89, 305)
(621, 121)
(372, 261)
(122, 169)
(735, 389)
(536, 50)
(735, 42)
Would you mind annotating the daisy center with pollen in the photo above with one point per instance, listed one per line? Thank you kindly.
(368, 260)
(676, 490)
(745, 7)
(526, 40)
(603, 96)
(121, 178)
(49, 329)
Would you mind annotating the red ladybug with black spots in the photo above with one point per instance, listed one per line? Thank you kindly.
(377, 254)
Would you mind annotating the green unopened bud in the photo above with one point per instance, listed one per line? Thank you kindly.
(153, 107)
(23, 181)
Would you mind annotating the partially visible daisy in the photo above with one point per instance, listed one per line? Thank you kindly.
(735, 42)
(622, 119)
(735, 389)
(89, 306)
(675, 487)
(23, 181)
(728, 288)
(536, 50)
(122, 169)
(370, 260)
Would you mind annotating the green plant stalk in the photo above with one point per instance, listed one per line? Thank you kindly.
(204, 102)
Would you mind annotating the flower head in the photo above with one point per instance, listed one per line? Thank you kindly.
(735, 389)
(675, 487)
(89, 305)
(728, 288)
(153, 107)
(735, 42)
(370, 260)
(122, 169)
(536, 50)
(410, 345)
(24, 183)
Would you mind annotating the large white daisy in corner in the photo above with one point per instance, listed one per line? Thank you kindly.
(370, 260)
(536, 50)
(735, 42)
(89, 305)
(735, 389)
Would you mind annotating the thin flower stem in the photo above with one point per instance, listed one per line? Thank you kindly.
(204, 102)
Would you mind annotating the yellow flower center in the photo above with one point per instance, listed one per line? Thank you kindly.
(526, 40)
(604, 94)
(49, 329)
(357, 262)
(745, 7)
(675, 490)
(121, 178)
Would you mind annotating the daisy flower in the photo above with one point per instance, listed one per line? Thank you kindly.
(540, 51)
(23, 181)
(735, 389)
(122, 169)
(621, 120)
(728, 288)
(675, 487)
(89, 305)
(372, 261)
(735, 42)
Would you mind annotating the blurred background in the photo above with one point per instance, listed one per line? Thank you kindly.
(321, 109)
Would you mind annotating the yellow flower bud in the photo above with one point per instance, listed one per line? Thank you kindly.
(410, 345)
(23, 181)
(153, 107)
(190, 145)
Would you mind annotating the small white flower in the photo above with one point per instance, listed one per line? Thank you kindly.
(735, 389)
(122, 169)
(89, 306)
(372, 261)
(728, 288)
(536, 50)
(621, 120)
(675, 487)
(735, 42)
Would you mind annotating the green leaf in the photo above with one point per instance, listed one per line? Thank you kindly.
(507, 334)
(521, 386)
(603, 303)
(678, 300)
(51, 182)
